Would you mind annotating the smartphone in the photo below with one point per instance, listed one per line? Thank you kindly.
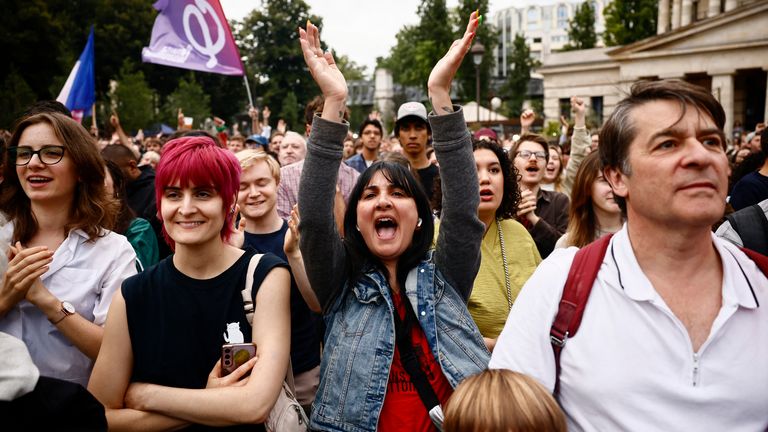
(188, 121)
(234, 355)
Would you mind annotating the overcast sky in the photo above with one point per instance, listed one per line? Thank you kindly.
(361, 29)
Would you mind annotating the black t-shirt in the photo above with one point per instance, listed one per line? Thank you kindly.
(305, 341)
(177, 324)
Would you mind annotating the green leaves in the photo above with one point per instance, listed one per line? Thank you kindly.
(519, 74)
(581, 29)
(628, 21)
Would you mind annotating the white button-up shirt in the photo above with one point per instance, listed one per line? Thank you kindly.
(631, 366)
(85, 274)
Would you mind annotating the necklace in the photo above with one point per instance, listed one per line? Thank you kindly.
(504, 261)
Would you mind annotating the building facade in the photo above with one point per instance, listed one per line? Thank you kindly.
(720, 45)
(544, 23)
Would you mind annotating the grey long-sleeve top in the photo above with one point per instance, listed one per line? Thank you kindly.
(457, 253)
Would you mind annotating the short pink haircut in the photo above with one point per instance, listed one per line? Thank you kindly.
(198, 161)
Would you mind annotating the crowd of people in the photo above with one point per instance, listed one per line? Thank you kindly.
(431, 279)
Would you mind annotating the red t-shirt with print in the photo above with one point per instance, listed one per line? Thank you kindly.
(403, 409)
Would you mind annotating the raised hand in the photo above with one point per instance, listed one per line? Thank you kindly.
(291, 243)
(526, 120)
(439, 83)
(579, 110)
(324, 71)
(282, 126)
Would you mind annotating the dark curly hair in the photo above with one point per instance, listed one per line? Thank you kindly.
(511, 197)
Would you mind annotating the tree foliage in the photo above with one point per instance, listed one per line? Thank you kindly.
(269, 40)
(420, 46)
(191, 98)
(487, 35)
(133, 98)
(351, 70)
(581, 29)
(628, 21)
(520, 65)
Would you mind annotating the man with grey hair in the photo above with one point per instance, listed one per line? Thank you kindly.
(293, 148)
(673, 323)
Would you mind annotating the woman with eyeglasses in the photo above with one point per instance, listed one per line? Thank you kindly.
(64, 263)
(543, 213)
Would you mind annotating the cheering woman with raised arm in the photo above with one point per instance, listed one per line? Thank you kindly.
(392, 306)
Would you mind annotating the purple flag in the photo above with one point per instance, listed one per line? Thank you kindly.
(193, 34)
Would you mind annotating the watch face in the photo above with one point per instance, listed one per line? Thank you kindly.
(67, 307)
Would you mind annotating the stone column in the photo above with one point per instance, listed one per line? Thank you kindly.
(714, 8)
(383, 93)
(731, 5)
(663, 21)
(722, 89)
(675, 14)
(686, 12)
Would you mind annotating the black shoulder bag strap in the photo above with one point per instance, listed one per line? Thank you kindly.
(408, 356)
(752, 226)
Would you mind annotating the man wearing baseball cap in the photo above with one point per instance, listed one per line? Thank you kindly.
(413, 131)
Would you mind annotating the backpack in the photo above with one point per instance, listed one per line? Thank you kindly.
(751, 225)
(578, 286)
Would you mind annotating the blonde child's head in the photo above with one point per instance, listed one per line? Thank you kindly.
(499, 400)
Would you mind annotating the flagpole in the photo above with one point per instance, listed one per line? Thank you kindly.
(248, 89)
(93, 115)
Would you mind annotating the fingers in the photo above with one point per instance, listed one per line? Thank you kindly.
(244, 368)
(241, 225)
(216, 371)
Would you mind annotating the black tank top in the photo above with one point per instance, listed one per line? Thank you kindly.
(177, 324)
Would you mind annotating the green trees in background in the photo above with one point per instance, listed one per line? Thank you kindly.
(43, 39)
(191, 98)
(133, 98)
(628, 21)
(486, 35)
(519, 74)
(419, 46)
(581, 29)
(269, 40)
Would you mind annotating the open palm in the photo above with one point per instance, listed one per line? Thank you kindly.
(321, 64)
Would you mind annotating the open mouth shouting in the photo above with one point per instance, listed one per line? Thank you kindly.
(386, 227)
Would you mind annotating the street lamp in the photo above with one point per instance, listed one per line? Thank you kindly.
(477, 52)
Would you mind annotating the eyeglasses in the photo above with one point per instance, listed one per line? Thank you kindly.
(526, 154)
(48, 155)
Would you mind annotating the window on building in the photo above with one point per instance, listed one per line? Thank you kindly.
(562, 16)
(537, 40)
(597, 109)
(533, 18)
(565, 107)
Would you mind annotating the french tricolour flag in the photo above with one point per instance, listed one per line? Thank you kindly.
(79, 93)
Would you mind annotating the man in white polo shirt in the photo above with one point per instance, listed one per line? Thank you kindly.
(675, 332)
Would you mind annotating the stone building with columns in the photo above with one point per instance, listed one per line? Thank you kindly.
(719, 44)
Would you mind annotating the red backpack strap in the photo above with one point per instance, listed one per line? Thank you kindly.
(759, 259)
(581, 277)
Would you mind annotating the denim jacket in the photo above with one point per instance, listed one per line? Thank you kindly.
(360, 345)
(360, 334)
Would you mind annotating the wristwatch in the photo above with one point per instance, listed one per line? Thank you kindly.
(66, 310)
